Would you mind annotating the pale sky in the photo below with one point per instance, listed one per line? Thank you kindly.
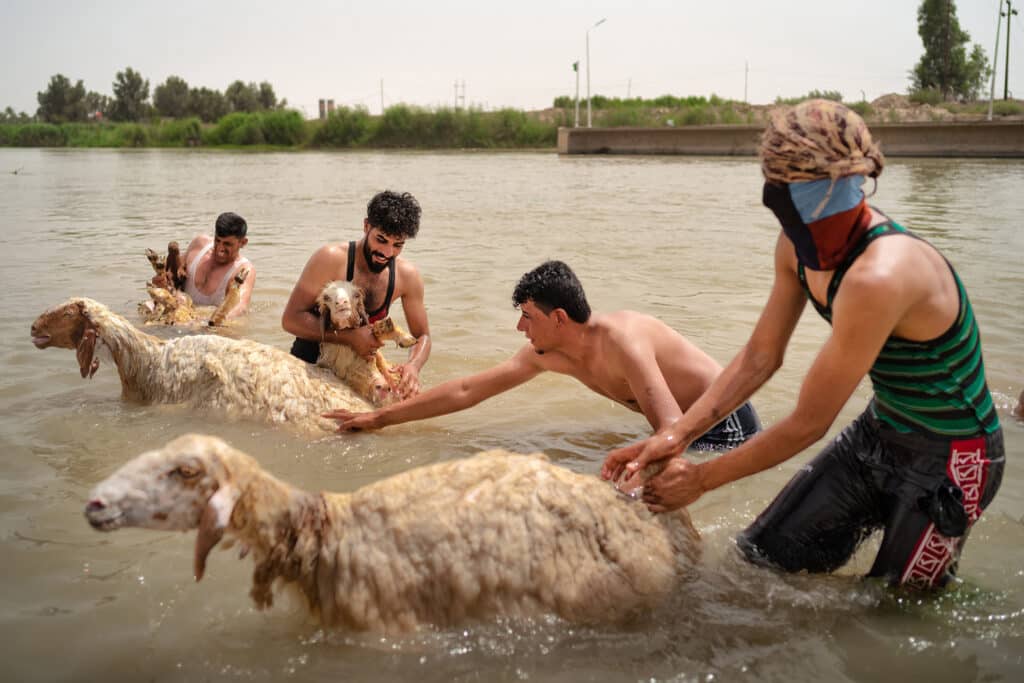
(516, 54)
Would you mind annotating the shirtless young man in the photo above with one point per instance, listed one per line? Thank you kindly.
(374, 265)
(629, 357)
(926, 456)
(212, 263)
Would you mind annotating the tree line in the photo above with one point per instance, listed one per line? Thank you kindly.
(64, 102)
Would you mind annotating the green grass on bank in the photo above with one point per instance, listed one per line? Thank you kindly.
(401, 126)
(405, 126)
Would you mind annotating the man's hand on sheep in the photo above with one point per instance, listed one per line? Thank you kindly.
(364, 342)
(409, 382)
(674, 487)
(353, 422)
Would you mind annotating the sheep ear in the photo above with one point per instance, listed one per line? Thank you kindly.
(359, 305)
(325, 320)
(212, 524)
(87, 364)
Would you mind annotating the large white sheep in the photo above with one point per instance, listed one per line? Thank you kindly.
(238, 377)
(494, 534)
(341, 306)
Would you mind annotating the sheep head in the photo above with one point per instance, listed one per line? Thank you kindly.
(190, 483)
(70, 325)
(341, 305)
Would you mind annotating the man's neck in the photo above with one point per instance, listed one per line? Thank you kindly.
(577, 340)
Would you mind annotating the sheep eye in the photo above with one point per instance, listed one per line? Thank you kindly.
(186, 472)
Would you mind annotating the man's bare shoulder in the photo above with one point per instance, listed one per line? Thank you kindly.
(197, 243)
(896, 263)
(407, 269)
(625, 323)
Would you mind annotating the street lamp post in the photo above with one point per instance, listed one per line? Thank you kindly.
(576, 68)
(588, 69)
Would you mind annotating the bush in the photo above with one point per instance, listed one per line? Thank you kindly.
(926, 96)
(403, 126)
(862, 108)
(238, 128)
(133, 135)
(39, 135)
(92, 134)
(697, 116)
(343, 128)
(179, 132)
(1006, 108)
(282, 127)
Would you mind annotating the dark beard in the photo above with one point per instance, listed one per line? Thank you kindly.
(370, 263)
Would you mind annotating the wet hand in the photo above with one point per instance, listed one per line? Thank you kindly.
(352, 422)
(676, 486)
(363, 342)
(631, 461)
(409, 382)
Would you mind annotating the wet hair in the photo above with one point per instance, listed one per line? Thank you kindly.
(397, 215)
(553, 285)
(230, 225)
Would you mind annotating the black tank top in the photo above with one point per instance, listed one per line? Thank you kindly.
(309, 350)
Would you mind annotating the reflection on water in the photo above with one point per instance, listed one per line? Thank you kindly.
(685, 239)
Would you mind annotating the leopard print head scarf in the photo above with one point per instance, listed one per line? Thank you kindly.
(818, 139)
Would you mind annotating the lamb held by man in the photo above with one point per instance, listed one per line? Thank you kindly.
(342, 306)
(469, 539)
(170, 305)
(235, 377)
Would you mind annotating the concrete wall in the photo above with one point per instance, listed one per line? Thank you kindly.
(933, 139)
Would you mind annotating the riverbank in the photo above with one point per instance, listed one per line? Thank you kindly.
(668, 125)
(990, 139)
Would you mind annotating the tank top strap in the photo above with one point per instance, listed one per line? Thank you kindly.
(193, 265)
(239, 263)
(350, 270)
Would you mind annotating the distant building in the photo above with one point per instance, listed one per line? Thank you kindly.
(323, 109)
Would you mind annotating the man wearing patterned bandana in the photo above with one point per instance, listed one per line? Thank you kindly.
(926, 456)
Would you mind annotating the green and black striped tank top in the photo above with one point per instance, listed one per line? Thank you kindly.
(935, 386)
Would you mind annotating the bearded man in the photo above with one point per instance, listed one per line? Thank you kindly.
(374, 265)
(926, 456)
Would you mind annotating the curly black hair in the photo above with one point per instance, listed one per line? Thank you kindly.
(397, 215)
(553, 285)
(230, 225)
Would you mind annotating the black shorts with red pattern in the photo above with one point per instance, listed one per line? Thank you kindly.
(923, 491)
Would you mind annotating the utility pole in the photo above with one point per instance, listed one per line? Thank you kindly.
(995, 56)
(382, 97)
(463, 98)
(746, 77)
(576, 68)
(588, 69)
(1006, 76)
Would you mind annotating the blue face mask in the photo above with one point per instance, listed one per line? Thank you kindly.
(823, 226)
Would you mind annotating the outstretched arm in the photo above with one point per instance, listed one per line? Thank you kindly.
(322, 268)
(447, 397)
(749, 370)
